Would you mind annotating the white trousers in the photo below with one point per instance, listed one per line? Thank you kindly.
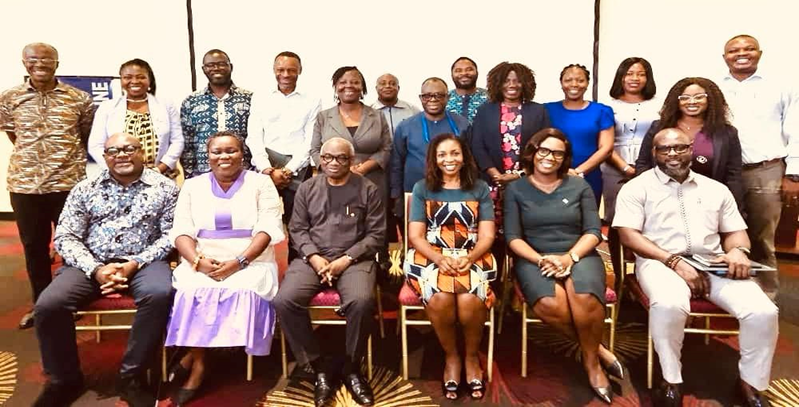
(669, 304)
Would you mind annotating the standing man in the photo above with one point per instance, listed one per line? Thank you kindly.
(466, 97)
(394, 110)
(414, 134)
(337, 227)
(766, 114)
(221, 106)
(49, 122)
(113, 236)
(280, 131)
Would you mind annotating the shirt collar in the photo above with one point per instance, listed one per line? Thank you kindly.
(401, 104)
(664, 179)
(295, 92)
(478, 91)
(757, 76)
(232, 91)
(148, 176)
(59, 86)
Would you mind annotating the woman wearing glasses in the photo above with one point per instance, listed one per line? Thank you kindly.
(226, 224)
(451, 229)
(156, 123)
(552, 226)
(698, 108)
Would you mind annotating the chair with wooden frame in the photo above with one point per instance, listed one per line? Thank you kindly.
(700, 308)
(410, 301)
(611, 313)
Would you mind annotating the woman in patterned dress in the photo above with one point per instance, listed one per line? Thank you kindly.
(155, 123)
(451, 230)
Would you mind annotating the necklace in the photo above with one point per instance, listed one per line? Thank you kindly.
(347, 116)
(136, 100)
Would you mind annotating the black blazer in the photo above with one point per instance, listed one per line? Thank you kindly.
(486, 141)
(727, 161)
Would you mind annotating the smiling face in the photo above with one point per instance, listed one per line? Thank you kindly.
(545, 161)
(124, 157)
(634, 80)
(218, 69)
(672, 151)
(335, 158)
(287, 71)
(41, 62)
(512, 88)
(449, 158)
(693, 101)
(349, 88)
(742, 55)
(225, 157)
(574, 83)
(135, 81)
(464, 74)
(434, 97)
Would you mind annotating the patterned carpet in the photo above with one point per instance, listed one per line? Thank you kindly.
(555, 377)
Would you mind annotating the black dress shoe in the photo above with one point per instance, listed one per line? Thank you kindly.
(134, 393)
(669, 395)
(751, 397)
(359, 389)
(59, 394)
(324, 388)
(27, 320)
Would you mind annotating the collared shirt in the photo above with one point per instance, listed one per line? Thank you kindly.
(766, 114)
(50, 129)
(679, 218)
(395, 114)
(104, 220)
(633, 120)
(283, 123)
(202, 114)
(475, 100)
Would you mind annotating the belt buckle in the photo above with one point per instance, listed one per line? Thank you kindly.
(454, 253)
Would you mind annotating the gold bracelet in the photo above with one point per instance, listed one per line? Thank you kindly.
(196, 261)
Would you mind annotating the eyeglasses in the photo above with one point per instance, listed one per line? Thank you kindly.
(678, 148)
(693, 98)
(341, 159)
(426, 97)
(34, 60)
(115, 151)
(219, 65)
(543, 152)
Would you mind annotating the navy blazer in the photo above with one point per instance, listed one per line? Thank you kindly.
(486, 142)
(727, 160)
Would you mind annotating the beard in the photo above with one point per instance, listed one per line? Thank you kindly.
(678, 173)
(470, 85)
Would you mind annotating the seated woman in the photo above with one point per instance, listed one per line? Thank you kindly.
(451, 229)
(225, 224)
(552, 226)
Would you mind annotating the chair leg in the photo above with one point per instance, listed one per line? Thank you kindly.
(507, 285)
(369, 357)
(404, 331)
(163, 364)
(649, 359)
(524, 340)
(707, 326)
(490, 366)
(283, 358)
(613, 309)
(379, 298)
(249, 368)
(98, 320)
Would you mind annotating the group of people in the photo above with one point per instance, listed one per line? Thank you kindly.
(490, 171)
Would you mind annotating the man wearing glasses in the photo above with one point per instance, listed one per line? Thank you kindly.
(669, 211)
(113, 236)
(49, 122)
(337, 227)
(414, 134)
(221, 106)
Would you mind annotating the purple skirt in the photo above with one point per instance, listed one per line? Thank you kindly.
(207, 317)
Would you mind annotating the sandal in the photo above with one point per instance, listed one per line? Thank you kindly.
(177, 374)
(476, 385)
(450, 389)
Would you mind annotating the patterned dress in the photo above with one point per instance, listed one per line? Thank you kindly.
(452, 217)
(510, 127)
(141, 126)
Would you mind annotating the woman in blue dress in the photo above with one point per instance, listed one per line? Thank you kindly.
(588, 126)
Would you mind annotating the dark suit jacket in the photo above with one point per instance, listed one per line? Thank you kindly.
(487, 142)
(727, 161)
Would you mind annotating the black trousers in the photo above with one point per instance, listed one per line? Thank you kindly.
(287, 194)
(151, 288)
(356, 288)
(36, 215)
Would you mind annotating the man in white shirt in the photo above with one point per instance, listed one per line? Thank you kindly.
(669, 211)
(388, 102)
(280, 129)
(765, 113)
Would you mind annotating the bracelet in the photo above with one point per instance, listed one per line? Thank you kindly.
(626, 167)
(672, 260)
(196, 261)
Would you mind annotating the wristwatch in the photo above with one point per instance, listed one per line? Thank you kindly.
(243, 262)
(575, 257)
(746, 250)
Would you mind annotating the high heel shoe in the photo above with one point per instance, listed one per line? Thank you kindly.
(450, 389)
(182, 396)
(604, 393)
(177, 374)
(476, 385)
(615, 369)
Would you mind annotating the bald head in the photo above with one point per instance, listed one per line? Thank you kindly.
(742, 36)
(122, 139)
(388, 77)
(670, 136)
(387, 89)
(672, 152)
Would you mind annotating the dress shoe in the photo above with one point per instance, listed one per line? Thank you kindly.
(359, 389)
(324, 388)
(59, 394)
(604, 393)
(134, 393)
(751, 397)
(669, 395)
(615, 369)
(27, 320)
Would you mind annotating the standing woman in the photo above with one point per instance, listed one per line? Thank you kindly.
(155, 123)
(634, 110)
(451, 228)
(503, 125)
(698, 108)
(552, 226)
(588, 125)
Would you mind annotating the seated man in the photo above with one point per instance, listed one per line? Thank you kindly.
(112, 235)
(669, 211)
(337, 227)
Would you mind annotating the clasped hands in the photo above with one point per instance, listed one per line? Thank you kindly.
(556, 266)
(218, 270)
(280, 176)
(113, 277)
(453, 266)
(329, 270)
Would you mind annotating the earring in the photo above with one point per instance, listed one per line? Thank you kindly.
(336, 99)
